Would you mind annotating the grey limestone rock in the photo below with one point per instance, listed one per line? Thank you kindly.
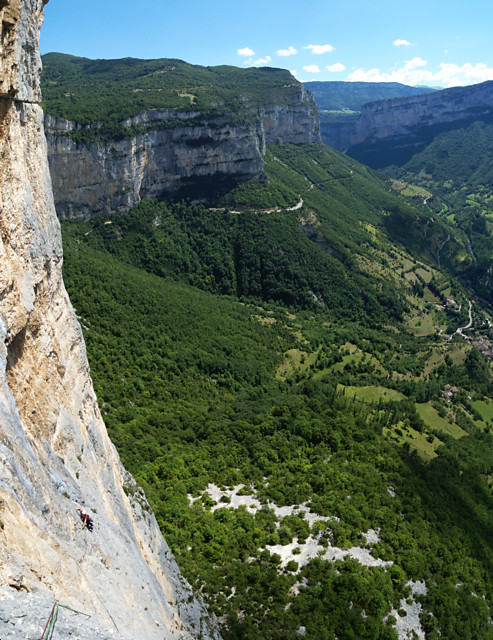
(55, 454)
(110, 177)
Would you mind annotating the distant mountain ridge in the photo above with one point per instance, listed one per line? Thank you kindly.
(353, 95)
(392, 131)
(340, 104)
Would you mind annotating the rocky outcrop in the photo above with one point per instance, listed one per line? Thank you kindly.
(55, 454)
(176, 154)
(391, 131)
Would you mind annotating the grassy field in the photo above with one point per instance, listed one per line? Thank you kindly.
(429, 297)
(295, 360)
(435, 360)
(355, 356)
(419, 442)
(370, 393)
(425, 274)
(411, 276)
(435, 421)
(485, 409)
(420, 325)
(458, 355)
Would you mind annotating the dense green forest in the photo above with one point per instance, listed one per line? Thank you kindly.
(109, 91)
(287, 357)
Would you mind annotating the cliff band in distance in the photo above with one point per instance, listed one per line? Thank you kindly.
(175, 153)
(55, 454)
(392, 131)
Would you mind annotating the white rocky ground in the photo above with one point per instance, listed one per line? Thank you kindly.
(253, 504)
(409, 626)
(300, 552)
(303, 552)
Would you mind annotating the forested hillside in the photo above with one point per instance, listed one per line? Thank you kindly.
(455, 174)
(95, 91)
(274, 373)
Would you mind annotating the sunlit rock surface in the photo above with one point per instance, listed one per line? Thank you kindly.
(113, 176)
(55, 454)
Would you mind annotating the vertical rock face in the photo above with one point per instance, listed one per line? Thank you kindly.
(107, 177)
(392, 131)
(113, 176)
(400, 116)
(54, 451)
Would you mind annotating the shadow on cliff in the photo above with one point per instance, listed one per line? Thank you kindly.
(208, 189)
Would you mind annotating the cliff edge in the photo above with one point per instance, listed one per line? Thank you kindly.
(55, 454)
(392, 131)
(182, 141)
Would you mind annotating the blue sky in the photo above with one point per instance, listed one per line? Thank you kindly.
(419, 42)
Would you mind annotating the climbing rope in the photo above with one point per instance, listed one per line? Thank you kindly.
(64, 606)
(50, 624)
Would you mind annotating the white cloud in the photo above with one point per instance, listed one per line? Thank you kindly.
(402, 43)
(452, 75)
(415, 63)
(290, 51)
(414, 73)
(246, 52)
(293, 72)
(334, 68)
(318, 49)
(311, 68)
(262, 61)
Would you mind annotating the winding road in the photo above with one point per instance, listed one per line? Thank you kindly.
(469, 324)
(440, 248)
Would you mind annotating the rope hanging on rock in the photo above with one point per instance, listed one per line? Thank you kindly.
(50, 624)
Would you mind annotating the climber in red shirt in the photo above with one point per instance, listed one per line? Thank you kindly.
(86, 520)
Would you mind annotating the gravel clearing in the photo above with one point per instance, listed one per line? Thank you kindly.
(372, 536)
(253, 504)
(312, 549)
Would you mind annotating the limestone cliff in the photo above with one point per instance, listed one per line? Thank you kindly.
(177, 153)
(55, 454)
(391, 131)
